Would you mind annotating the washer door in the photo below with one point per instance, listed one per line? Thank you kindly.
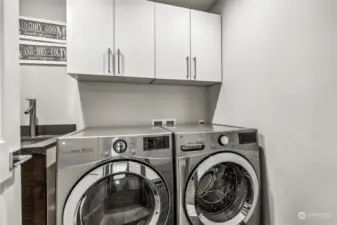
(118, 193)
(222, 190)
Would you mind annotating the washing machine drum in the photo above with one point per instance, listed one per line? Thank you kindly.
(118, 193)
(222, 190)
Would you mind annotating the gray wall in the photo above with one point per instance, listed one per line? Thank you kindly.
(61, 100)
(280, 76)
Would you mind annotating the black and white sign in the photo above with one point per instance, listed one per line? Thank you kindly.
(42, 30)
(42, 53)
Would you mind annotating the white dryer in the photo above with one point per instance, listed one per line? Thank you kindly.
(119, 176)
(217, 175)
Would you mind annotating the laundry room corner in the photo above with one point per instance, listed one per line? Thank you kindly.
(168, 112)
(279, 76)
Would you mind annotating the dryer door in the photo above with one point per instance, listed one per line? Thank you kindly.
(119, 193)
(222, 190)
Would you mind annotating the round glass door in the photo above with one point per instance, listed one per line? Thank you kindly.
(118, 193)
(119, 199)
(222, 190)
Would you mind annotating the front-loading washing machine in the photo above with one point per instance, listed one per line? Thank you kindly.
(119, 176)
(217, 175)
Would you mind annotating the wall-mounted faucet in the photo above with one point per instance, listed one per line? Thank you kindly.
(32, 116)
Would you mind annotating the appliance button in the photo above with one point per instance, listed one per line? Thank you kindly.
(119, 146)
(223, 140)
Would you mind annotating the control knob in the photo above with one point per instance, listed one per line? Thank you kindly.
(223, 140)
(119, 146)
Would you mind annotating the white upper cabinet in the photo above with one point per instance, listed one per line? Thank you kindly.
(90, 36)
(206, 46)
(139, 40)
(172, 42)
(134, 38)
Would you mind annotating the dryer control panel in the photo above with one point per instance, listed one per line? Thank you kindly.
(247, 138)
(217, 141)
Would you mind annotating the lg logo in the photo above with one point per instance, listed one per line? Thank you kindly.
(302, 215)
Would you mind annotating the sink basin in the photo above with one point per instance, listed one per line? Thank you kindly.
(34, 140)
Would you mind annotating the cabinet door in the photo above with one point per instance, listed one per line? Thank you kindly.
(172, 42)
(206, 46)
(34, 221)
(134, 38)
(89, 36)
(34, 170)
(33, 200)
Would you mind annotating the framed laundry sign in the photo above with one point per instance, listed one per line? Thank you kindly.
(42, 53)
(42, 30)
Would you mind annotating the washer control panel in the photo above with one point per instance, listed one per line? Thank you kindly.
(144, 146)
(156, 143)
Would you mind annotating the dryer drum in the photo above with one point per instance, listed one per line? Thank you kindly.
(222, 189)
(222, 192)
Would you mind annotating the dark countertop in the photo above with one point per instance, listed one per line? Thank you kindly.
(58, 129)
(46, 139)
(38, 147)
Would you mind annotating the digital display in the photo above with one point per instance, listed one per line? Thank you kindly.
(247, 138)
(156, 143)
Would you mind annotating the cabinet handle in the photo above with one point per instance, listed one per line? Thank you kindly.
(109, 60)
(188, 66)
(118, 62)
(195, 67)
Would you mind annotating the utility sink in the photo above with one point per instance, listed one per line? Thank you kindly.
(35, 140)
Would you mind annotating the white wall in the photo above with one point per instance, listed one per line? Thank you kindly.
(134, 104)
(10, 199)
(60, 100)
(10, 181)
(280, 76)
(56, 93)
(203, 5)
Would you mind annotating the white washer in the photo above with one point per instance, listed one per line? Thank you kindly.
(217, 175)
